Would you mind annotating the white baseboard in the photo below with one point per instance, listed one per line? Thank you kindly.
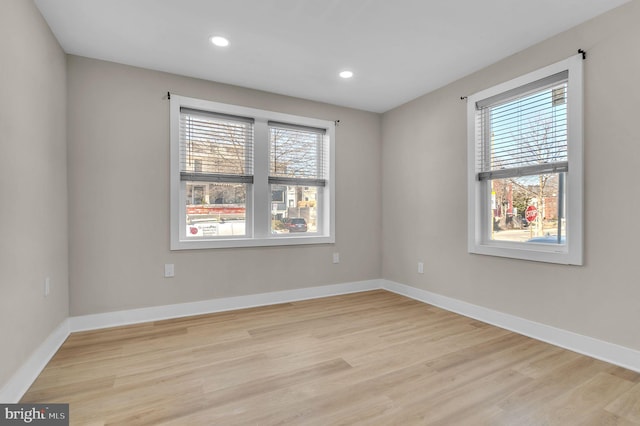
(19, 383)
(599, 349)
(156, 313)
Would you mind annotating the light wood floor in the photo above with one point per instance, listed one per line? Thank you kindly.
(369, 358)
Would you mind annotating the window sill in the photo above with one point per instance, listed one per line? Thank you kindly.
(252, 242)
(542, 253)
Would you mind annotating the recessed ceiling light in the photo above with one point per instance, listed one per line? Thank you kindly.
(346, 74)
(219, 41)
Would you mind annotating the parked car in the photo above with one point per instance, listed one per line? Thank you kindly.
(296, 224)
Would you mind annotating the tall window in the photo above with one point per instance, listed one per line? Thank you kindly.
(216, 168)
(245, 177)
(525, 171)
(297, 162)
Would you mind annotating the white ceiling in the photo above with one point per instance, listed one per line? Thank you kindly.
(397, 49)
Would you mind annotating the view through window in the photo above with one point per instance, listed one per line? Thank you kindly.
(529, 135)
(243, 177)
(216, 167)
(525, 166)
(296, 173)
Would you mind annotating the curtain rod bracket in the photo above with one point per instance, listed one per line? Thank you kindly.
(169, 95)
(584, 54)
(463, 98)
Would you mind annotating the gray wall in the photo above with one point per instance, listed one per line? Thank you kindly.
(33, 183)
(118, 212)
(424, 193)
(119, 197)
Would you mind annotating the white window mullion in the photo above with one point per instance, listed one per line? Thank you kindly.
(574, 183)
(177, 192)
(329, 209)
(261, 189)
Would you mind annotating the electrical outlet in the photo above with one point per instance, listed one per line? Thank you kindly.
(47, 286)
(336, 257)
(169, 270)
(421, 267)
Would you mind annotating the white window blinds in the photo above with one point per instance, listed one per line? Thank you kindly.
(215, 147)
(523, 132)
(296, 155)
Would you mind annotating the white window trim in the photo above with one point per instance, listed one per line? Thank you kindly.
(478, 236)
(258, 220)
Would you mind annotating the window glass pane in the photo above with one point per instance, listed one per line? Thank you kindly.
(215, 145)
(295, 153)
(294, 209)
(528, 131)
(528, 209)
(215, 209)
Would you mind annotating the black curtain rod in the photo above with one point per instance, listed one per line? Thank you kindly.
(580, 51)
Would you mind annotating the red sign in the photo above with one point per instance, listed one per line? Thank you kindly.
(531, 213)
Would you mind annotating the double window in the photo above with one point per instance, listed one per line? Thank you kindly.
(525, 166)
(244, 177)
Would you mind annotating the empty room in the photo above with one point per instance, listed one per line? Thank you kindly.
(319, 212)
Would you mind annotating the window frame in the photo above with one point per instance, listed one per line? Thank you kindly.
(258, 199)
(479, 192)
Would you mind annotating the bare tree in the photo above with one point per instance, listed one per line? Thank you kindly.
(294, 153)
(541, 142)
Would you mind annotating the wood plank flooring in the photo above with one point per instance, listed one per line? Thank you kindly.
(372, 358)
